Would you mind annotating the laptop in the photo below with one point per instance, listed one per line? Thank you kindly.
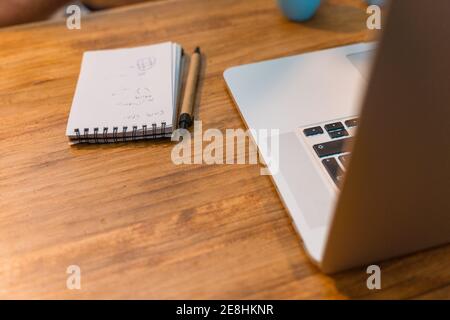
(364, 138)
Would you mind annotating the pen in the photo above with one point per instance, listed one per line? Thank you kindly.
(186, 113)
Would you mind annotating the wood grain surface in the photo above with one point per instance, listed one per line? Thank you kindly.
(137, 225)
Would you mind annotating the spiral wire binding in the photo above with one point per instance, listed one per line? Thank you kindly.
(96, 135)
(83, 137)
(115, 131)
(133, 135)
(124, 133)
(105, 135)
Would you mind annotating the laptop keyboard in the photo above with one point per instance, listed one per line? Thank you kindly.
(331, 143)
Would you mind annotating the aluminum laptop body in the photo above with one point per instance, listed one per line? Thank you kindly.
(364, 138)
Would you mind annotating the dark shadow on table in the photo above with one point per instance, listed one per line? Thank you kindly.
(413, 276)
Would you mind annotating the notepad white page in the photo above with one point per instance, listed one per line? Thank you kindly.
(126, 88)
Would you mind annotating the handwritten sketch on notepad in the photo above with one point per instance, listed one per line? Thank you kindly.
(145, 64)
(128, 97)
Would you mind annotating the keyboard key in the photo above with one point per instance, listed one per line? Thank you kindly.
(313, 131)
(333, 147)
(338, 134)
(351, 123)
(334, 126)
(344, 159)
(334, 170)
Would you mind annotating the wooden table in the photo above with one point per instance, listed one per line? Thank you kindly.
(137, 225)
(103, 4)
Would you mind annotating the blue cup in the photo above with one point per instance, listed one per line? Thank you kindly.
(375, 2)
(299, 10)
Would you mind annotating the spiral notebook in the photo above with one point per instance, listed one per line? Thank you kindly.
(126, 94)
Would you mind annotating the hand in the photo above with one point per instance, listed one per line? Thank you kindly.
(22, 11)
